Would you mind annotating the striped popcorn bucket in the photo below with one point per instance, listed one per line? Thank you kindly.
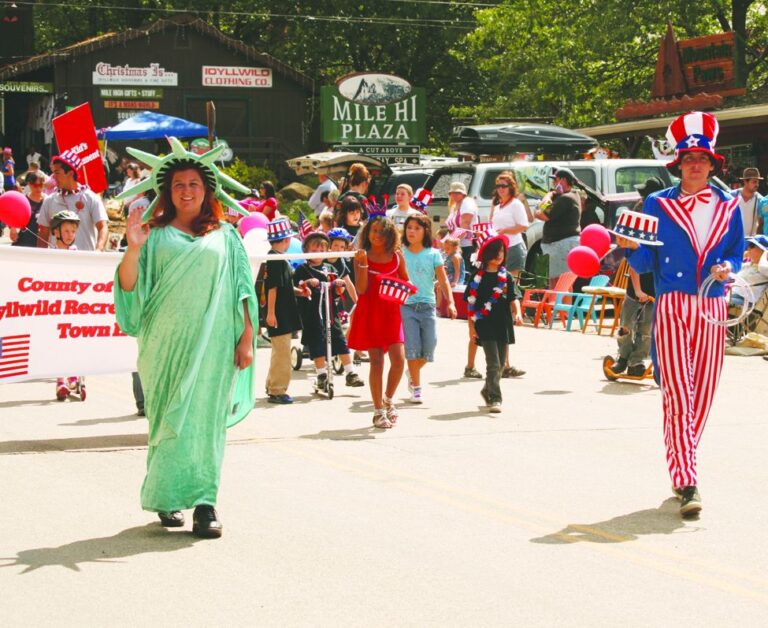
(395, 290)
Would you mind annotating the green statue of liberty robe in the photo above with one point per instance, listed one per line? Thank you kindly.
(186, 311)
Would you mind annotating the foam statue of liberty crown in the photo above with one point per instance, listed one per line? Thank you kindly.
(214, 178)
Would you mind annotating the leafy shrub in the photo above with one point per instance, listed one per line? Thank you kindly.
(248, 175)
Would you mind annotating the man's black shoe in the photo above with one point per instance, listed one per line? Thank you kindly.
(619, 366)
(173, 519)
(205, 522)
(638, 370)
(691, 501)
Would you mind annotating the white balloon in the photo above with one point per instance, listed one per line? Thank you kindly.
(256, 244)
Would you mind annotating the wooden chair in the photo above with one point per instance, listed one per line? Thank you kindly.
(578, 304)
(542, 301)
(615, 294)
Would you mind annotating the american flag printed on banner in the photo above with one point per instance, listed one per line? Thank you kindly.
(305, 227)
(14, 355)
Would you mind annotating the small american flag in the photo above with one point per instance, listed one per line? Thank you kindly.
(305, 227)
(14, 355)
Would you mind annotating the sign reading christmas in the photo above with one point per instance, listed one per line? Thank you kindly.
(108, 74)
(368, 108)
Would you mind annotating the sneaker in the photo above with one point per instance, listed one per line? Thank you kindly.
(619, 366)
(495, 407)
(638, 370)
(691, 501)
(353, 379)
(281, 399)
(677, 492)
(472, 373)
(511, 371)
(416, 395)
(321, 382)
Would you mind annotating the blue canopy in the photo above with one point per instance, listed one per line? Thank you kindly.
(148, 125)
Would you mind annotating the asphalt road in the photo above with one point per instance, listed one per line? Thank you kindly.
(556, 512)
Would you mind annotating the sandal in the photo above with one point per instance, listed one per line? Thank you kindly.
(380, 419)
(391, 410)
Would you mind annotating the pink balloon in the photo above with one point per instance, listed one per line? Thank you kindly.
(14, 209)
(583, 261)
(597, 238)
(256, 220)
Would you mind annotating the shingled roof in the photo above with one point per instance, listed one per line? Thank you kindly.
(108, 40)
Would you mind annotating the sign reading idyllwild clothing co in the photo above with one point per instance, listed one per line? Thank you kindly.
(234, 76)
(108, 74)
(373, 109)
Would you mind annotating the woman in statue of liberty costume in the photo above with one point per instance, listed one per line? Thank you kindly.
(184, 288)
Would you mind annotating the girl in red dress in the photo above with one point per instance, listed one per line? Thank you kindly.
(376, 324)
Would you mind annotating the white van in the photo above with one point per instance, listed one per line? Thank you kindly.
(607, 177)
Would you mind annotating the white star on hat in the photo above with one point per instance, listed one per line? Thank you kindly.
(692, 141)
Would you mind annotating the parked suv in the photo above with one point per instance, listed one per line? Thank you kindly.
(612, 181)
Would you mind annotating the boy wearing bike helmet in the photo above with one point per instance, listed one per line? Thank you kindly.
(64, 225)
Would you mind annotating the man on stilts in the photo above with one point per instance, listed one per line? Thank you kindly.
(702, 234)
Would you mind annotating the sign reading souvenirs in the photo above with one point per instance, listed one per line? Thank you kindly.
(373, 109)
(26, 87)
(390, 154)
(108, 74)
(131, 104)
(121, 92)
(233, 76)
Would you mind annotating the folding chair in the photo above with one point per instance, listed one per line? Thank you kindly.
(542, 301)
(578, 304)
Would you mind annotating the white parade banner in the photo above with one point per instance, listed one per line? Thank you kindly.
(57, 313)
(58, 305)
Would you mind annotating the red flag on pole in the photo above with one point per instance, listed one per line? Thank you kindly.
(75, 131)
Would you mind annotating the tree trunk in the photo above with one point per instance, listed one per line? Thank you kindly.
(739, 24)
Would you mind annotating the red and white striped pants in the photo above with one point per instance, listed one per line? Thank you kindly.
(690, 358)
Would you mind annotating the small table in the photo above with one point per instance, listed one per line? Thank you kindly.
(616, 295)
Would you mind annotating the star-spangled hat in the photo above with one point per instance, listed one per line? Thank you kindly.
(481, 230)
(694, 132)
(69, 158)
(212, 176)
(396, 290)
(491, 236)
(640, 228)
(279, 229)
(420, 199)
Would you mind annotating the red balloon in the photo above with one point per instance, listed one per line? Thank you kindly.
(14, 209)
(583, 261)
(256, 220)
(597, 238)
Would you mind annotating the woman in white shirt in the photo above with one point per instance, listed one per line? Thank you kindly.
(509, 217)
(463, 214)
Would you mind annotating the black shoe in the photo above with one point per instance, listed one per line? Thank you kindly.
(281, 399)
(205, 522)
(321, 381)
(511, 371)
(174, 519)
(140, 412)
(691, 501)
(638, 370)
(619, 366)
(353, 380)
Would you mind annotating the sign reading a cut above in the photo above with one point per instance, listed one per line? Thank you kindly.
(154, 74)
(235, 76)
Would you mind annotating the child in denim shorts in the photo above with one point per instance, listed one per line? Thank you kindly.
(424, 265)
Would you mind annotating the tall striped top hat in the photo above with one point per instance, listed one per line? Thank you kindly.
(481, 230)
(694, 132)
(396, 290)
(420, 199)
(638, 227)
(279, 229)
(70, 158)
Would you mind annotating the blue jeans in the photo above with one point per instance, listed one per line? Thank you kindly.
(420, 329)
(635, 332)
